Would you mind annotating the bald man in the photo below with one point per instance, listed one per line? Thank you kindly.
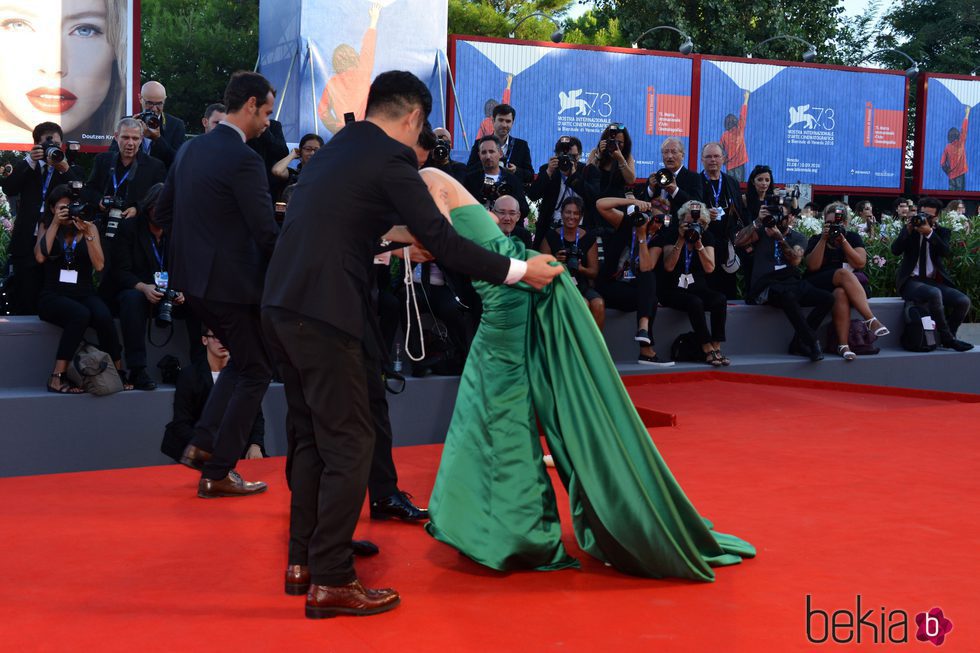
(163, 141)
(455, 169)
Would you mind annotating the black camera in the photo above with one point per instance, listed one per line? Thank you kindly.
(637, 217)
(573, 258)
(612, 145)
(114, 205)
(52, 151)
(165, 309)
(834, 232)
(77, 207)
(565, 160)
(492, 190)
(774, 219)
(919, 219)
(692, 233)
(441, 151)
(664, 177)
(150, 119)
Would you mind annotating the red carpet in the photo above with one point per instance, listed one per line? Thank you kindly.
(845, 491)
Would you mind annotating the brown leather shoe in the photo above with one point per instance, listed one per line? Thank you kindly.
(194, 457)
(297, 580)
(324, 601)
(230, 486)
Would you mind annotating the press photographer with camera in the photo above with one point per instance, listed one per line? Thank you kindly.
(49, 164)
(673, 182)
(440, 156)
(492, 180)
(613, 161)
(123, 177)
(576, 248)
(514, 152)
(163, 134)
(626, 280)
(69, 249)
(723, 197)
(778, 252)
(922, 276)
(689, 256)
(561, 178)
(309, 145)
(834, 261)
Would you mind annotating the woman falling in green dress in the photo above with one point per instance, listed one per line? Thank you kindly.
(539, 353)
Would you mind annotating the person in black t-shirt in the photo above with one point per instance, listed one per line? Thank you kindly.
(577, 250)
(689, 256)
(834, 260)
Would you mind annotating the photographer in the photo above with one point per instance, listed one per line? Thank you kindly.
(440, 158)
(514, 152)
(673, 183)
(561, 178)
(834, 260)
(163, 134)
(689, 256)
(724, 200)
(626, 280)
(778, 252)
(922, 277)
(613, 162)
(122, 178)
(139, 272)
(492, 180)
(577, 250)
(47, 166)
(69, 248)
(309, 145)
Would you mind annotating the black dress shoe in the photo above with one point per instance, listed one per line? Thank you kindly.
(364, 548)
(194, 457)
(957, 345)
(398, 506)
(140, 380)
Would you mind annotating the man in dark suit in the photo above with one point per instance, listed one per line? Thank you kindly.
(515, 153)
(560, 179)
(493, 179)
(217, 212)
(721, 193)
(164, 141)
(922, 276)
(318, 316)
(30, 181)
(442, 159)
(686, 185)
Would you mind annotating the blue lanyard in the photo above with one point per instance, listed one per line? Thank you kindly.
(778, 254)
(70, 253)
(156, 252)
(116, 184)
(714, 191)
(632, 247)
(44, 186)
(688, 255)
(510, 150)
(576, 236)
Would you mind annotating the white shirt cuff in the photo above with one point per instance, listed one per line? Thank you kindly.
(518, 269)
(31, 162)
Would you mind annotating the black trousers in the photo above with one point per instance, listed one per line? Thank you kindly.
(331, 388)
(442, 301)
(939, 298)
(25, 285)
(74, 315)
(236, 398)
(134, 311)
(793, 294)
(695, 300)
(639, 295)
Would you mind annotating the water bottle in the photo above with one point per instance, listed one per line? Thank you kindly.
(397, 366)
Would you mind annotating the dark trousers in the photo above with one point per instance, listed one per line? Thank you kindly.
(445, 308)
(957, 183)
(134, 311)
(74, 315)
(790, 296)
(695, 300)
(25, 286)
(639, 295)
(938, 297)
(328, 382)
(724, 282)
(236, 398)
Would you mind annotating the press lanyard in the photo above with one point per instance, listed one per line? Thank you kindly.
(510, 150)
(714, 191)
(577, 235)
(70, 253)
(688, 255)
(778, 253)
(116, 184)
(156, 253)
(44, 186)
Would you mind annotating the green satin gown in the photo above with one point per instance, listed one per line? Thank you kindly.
(540, 353)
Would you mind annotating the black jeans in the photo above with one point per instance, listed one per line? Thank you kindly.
(790, 296)
(939, 297)
(74, 315)
(695, 300)
(639, 295)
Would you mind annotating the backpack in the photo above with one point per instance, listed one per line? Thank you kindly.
(860, 339)
(92, 370)
(686, 349)
(916, 337)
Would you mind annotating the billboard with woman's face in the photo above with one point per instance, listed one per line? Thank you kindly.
(68, 62)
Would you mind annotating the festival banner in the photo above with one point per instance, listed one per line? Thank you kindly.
(826, 126)
(567, 90)
(322, 55)
(77, 69)
(948, 143)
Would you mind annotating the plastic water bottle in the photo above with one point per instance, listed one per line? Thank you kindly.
(398, 358)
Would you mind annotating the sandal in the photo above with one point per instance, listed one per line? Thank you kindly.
(881, 329)
(64, 387)
(712, 359)
(724, 360)
(845, 352)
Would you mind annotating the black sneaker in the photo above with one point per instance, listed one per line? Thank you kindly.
(957, 345)
(643, 337)
(654, 360)
(141, 380)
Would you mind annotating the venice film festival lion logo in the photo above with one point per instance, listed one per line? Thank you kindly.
(585, 103)
(811, 118)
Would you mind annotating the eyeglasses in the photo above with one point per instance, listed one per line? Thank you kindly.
(151, 103)
(509, 214)
(310, 149)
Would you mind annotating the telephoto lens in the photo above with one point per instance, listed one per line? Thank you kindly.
(636, 216)
(441, 151)
(693, 232)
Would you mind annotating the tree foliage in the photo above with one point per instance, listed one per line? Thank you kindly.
(941, 35)
(498, 17)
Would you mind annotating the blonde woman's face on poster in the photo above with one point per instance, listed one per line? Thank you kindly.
(57, 61)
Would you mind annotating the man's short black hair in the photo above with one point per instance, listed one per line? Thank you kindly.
(427, 138)
(503, 110)
(491, 137)
(244, 85)
(572, 140)
(47, 128)
(217, 106)
(930, 203)
(310, 137)
(899, 201)
(396, 93)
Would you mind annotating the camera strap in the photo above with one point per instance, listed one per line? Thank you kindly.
(149, 334)
(157, 254)
(411, 299)
(116, 184)
(69, 252)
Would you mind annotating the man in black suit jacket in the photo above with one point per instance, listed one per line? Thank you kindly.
(318, 316)
(722, 195)
(217, 212)
(455, 169)
(687, 185)
(515, 153)
(491, 168)
(164, 141)
(553, 185)
(922, 276)
(30, 181)
(271, 146)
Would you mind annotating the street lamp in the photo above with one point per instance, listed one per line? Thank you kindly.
(808, 56)
(910, 72)
(556, 36)
(687, 47)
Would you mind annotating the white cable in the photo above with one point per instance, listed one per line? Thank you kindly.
(410, 298)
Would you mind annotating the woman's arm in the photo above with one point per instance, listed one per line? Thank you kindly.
(95, 253)
(281, 167)
(590, 266)
(707, 255)
(627, 167)
(612, 209)
(857, 257)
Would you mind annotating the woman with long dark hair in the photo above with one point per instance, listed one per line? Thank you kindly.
(613, 159)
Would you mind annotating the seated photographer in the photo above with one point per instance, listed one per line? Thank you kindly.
(577, 250)
(492, 180)
(922, 276)
(46, 166)
(69, 249)
(440, 158)
(627, 281)
(508, 212)
(613, 162)
(193, 387)
(689, 256)
(309, 145)
(139, 284)
(778, 252)
(562, 177)
(673, 183)
(834, 259)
